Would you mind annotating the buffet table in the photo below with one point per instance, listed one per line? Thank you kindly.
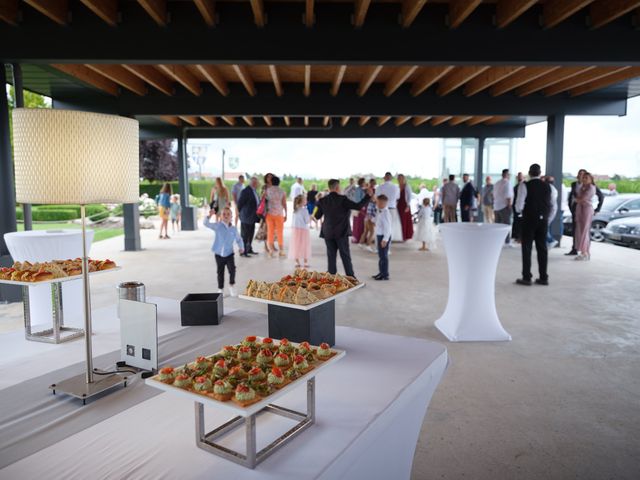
(369, 411)
(54, 303)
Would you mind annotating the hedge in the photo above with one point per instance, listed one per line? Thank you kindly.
(50, 213)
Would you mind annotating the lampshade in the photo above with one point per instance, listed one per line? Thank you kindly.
(66, 156)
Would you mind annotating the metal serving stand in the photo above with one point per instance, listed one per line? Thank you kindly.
(246, 416)
(59, 332)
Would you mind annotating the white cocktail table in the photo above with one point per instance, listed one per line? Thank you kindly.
(473, 250)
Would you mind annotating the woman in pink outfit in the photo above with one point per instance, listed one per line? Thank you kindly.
(584, 215)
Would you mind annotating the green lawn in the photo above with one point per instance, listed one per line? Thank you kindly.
(99, 233)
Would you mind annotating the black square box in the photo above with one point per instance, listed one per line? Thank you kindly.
(201, 309)
(315, 325)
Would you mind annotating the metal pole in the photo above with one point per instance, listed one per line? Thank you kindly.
(479, 175)
(555, 152)
(223, 152)
(18, 91)
(7, 188)
(87, 300)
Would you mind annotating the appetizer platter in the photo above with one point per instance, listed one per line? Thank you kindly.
(303, 290)
(30, 274)
(246, 377)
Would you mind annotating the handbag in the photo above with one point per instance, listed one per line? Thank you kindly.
(262, 231)
(262, 208)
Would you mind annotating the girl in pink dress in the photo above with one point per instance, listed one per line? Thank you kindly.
(584, 215)
(300, 247)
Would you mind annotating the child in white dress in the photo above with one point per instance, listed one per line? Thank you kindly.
(300, 247)
(426, 231)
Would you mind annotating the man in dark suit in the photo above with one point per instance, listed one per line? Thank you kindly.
(336, 228)
(534, 203)
(248, 202)
(572, 207)
(466, 198)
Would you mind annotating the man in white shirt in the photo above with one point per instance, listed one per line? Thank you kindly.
(383, 237)
(552, 242)
(297, 188)
(350, 190)
(502, 200)
(235, 193)
(389, 190)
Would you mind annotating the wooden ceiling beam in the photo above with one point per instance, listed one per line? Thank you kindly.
(9, 11)
(435, 121)
(401, 120)
(457, 120)
(307, 80)
(245, 78)
(382, 120)
(551, 79)
(556, 11)
(586, 77)
(152, 76)
(458, 77)
(337, 81)
(489, 77)
(409, 11)
(276, 80)
(121, 76)
(398, 78)
(360, 12)
(478, 120)
(210, 119)
(344, 120)
(602, 12)
(308, 13)
(172, 120)
(89, 77)
(368, 78)
(207, 9)
(306, 121)
(214, 77)
(508, 11)
(417, 121)
(257, 6)
(520, 78)
(156, 9)
(229, 120)
(248, 120)
(56, 10)
(267, 120)
(497, 119)
(459, 10)
(607, 81)
(363, 121)
(287, 121)
(190, 119)
(183, 76)
(326, 121)
(428, 77)
(107, 10)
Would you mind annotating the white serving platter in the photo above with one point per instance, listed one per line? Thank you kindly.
(58, 280)
(232, 407)
(302, 307)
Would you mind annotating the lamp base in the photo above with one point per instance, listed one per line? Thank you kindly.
(78, 387)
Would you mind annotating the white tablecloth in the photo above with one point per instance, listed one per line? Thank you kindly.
(43, 246)
(370, 409)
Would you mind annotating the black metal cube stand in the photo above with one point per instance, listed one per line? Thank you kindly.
(201, 309)
(315, 325)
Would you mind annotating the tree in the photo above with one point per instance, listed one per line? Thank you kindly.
(31, 100)
(158, 160)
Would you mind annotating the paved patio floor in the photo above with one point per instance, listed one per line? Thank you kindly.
(562, 400)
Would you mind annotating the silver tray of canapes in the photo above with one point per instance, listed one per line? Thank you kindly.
(38, 273)
(246, 377)
(303, 290)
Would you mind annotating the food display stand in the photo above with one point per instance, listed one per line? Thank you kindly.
(315, 323)
(59, 332)
(247, 416)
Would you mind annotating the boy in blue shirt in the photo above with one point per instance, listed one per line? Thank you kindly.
(226, 234)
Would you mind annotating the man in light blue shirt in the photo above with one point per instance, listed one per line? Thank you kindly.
(226, 235)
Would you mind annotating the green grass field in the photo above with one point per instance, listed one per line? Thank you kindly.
(99, 233)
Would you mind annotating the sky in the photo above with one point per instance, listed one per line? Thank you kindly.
(604, 145)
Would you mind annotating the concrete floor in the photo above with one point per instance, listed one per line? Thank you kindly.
(562, 400)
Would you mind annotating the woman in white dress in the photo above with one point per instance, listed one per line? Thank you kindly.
(426, 229)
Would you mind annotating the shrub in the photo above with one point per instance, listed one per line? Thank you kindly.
(50, 215)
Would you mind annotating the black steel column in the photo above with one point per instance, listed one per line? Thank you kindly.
(555, 150)
(7, 192)
(479, 174)
(18, 88)
(131, 215)
(189, 214)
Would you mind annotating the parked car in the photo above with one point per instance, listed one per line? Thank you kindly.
(623, 231)
(618, 206)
